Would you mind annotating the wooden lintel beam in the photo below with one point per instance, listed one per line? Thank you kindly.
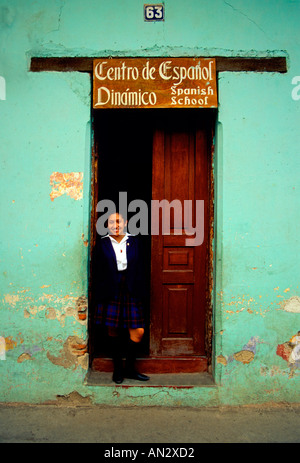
(223, 63)
(239, 64)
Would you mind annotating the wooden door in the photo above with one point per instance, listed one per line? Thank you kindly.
(179, 273)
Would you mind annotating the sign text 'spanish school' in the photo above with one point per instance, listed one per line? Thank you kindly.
(155, 83)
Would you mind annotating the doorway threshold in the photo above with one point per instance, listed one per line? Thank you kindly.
(172, 380)
(151, 365)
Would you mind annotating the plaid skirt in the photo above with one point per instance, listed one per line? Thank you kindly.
(123, 311)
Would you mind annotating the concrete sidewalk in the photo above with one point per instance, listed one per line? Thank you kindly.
(85, 423)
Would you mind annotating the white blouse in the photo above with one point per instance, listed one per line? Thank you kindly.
(120, 251)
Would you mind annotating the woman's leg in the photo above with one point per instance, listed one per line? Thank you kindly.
(135, 337)
(136, 334)
(116, 353)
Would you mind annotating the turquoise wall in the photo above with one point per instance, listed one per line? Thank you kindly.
(45, 132)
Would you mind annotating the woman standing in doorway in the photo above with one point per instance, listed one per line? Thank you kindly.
(119, 288)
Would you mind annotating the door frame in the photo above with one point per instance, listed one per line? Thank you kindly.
(210, 116)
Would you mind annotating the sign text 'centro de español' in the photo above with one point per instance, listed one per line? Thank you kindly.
(154, 83)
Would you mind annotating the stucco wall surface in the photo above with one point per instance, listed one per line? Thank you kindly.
(45, 155)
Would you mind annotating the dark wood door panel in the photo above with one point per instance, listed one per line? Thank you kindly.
(177, 315)
(179, 272)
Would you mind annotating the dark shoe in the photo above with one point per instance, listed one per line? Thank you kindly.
(136, 375)
(117, 377)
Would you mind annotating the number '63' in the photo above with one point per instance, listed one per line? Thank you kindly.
(153, 12)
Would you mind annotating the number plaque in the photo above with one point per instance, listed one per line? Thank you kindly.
(154, 12)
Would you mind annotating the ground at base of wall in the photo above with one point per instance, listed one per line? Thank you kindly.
(69, 420)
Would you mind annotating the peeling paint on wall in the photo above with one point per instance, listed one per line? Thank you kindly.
(222, 360)
(284, 351)
(245, 303)
(11, 299)
(81, 308)
(290, 352)
(11, 343)
(69, 306)
(70, 184)
(292, 305)
(258, 306)
(23, 357)
(28, 352)
(85, 242)
(74, 399)
(50, 306)
(245, 355)
(73, 354)
(2, 348)
(295, 344)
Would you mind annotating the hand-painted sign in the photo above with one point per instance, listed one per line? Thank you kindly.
(154, 83)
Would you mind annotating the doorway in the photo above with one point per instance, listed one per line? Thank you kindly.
(155, 155)
(123, 145)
